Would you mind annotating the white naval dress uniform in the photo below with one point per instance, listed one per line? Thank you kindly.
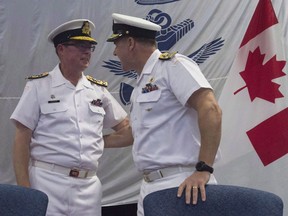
(67, 123)
(165, 130)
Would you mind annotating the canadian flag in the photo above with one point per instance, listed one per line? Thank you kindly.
(254, 102)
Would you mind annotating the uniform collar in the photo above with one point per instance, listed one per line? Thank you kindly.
(57, 77)
(147, 69)
(86, 82)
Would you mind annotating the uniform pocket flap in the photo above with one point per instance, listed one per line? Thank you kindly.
(152, 96)
(53, 108)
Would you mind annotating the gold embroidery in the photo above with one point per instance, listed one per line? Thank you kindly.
(167, 55)
(38, 76)
(97, 82)
(86, 28)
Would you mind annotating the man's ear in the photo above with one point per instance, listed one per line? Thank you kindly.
(131, 43)
(59, 48)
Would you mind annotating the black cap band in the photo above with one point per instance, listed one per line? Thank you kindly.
(65, 36)
(81, 34)
(133, 31)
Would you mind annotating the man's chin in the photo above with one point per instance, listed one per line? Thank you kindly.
(85, 63)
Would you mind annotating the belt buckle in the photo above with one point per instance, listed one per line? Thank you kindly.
(74, 173)
(146, 178)
(149, 177)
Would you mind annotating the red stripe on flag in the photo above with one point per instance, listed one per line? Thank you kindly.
(270, 137)
(260, 21)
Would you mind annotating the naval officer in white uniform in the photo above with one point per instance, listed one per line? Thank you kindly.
(59, 121)
(175, 118)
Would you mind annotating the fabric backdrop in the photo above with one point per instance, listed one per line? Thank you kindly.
(209, 32)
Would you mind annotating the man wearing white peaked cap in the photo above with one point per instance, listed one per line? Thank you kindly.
(175, 118)
(132, 26)
(59, 121)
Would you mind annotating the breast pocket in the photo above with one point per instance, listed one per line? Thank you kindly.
(98, 113)
(53, 108)
(149, 106)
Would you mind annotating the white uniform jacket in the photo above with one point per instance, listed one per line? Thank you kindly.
(165, 130)
(67, 121)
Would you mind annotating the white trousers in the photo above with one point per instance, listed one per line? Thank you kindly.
(68, 196)
(163, 183)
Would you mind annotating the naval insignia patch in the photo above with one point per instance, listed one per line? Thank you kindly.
(38, 76)
(167, 55)
(97, 82)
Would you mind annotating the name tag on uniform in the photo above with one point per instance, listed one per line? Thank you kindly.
(54, 101)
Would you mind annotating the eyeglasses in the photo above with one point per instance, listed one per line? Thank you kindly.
(81, 46)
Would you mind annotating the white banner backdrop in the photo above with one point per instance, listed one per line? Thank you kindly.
(210, 32)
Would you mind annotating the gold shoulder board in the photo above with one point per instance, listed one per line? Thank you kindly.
(97, 82)
(38, 76)
(167, 55)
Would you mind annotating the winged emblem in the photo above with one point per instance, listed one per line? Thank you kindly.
(115, 67)
(207, 50)
(166, 38)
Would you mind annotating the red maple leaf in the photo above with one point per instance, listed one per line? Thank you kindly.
(258, 76)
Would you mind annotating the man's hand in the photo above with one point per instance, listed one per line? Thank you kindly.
(195, 182)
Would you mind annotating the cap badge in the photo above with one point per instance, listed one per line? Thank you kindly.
(86, 28)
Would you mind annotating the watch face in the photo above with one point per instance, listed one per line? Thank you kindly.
(199, 165)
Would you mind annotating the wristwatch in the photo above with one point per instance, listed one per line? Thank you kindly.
(202, 166)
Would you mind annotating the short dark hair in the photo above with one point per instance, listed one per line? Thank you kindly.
(147, 41)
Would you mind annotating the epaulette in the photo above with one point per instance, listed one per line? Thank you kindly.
(167, 55)
(97, 82)
(38, 76)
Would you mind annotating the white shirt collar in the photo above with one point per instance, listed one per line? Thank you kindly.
(147, 69)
